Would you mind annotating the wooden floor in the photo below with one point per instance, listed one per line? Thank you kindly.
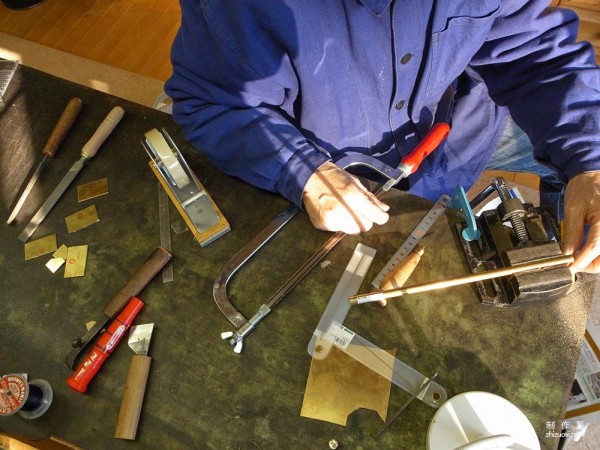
(134, 35)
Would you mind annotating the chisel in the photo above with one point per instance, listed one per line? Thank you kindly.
(63, 126)
(87, 153)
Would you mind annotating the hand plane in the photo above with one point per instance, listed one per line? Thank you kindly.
(513, 234)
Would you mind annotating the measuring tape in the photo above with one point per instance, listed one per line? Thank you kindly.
(414, 238)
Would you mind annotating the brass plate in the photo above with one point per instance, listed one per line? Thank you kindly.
(39, 247)
(76, 260)
(82, 219)
(338, 385)
(58, 259)
(61, 252)
(92, 189)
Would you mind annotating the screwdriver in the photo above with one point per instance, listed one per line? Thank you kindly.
(64, 124)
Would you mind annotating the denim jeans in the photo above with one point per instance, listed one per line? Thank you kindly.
(515, 154)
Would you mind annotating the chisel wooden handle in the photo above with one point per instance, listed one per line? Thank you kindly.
(103, 131)
(133, 397)
(64, 124)
(399, 274)
(138, 281)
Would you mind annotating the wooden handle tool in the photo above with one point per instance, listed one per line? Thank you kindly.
(135, 387)
(66, 121)
(133, 397)
(398, 276)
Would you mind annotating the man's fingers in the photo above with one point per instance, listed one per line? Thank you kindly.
(337, 201)
(572, 233)
(587, 259)
(373, 210)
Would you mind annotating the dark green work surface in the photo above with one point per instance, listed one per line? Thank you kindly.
(201, 394)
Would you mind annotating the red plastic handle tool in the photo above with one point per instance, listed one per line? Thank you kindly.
(411, 162)
(104, 347)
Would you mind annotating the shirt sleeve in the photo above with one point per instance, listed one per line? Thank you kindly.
(234, 88)
(532, 63)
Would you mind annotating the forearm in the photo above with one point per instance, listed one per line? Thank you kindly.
(549, 82)
(257, 145)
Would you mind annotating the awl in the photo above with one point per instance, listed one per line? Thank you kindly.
(64, 124)
(87, 153)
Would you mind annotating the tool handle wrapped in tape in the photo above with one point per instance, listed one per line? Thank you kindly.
(104, 347)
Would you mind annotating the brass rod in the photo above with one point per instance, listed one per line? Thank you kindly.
(379, 295)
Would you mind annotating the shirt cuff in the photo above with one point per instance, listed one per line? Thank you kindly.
(297, 171)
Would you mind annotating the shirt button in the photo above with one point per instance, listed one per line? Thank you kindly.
(399, 105)
(406, 58)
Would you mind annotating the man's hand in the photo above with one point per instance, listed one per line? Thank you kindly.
(582, 207)
(337, 201)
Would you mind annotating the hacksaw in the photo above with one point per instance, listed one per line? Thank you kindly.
(408, 165)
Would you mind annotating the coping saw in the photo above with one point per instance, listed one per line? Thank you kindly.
(407, 166)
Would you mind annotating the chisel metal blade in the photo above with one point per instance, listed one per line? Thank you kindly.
(59, 133)
(52, 199)
(41, 166)
(87, 153)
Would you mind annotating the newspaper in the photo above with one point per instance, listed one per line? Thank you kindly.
(584, 399)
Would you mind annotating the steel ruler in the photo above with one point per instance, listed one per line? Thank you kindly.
(415, 237)
(165, 230)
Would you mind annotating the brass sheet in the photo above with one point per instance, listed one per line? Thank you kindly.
(39, 247)
(76, 260)
(82, 219)
(61, 252)
(338, 385)
(92, 189)
(58, 259)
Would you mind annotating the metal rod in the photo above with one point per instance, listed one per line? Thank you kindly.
(424, 387)
(379, 295)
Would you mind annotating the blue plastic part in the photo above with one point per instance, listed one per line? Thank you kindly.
(459, 201)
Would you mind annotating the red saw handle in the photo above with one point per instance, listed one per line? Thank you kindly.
(430, 142)
(104, 347)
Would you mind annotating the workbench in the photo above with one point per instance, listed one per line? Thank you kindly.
(201, 394)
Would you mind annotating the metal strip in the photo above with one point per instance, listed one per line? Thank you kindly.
(414, 238)
(165, 230)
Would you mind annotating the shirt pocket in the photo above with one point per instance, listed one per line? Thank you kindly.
(457, 35)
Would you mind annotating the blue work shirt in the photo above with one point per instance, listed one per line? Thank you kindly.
(271, 89)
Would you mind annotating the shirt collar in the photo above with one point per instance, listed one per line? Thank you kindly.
(376, 6)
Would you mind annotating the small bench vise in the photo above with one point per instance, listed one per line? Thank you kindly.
(513, 234)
